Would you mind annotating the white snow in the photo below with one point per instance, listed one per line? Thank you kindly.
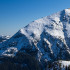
(68, 29)
(10, 52)
(67, 11)
(64, 63)
(48, 28)
(57, 19)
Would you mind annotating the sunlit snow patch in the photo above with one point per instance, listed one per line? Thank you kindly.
(65, 63)
(10, 52)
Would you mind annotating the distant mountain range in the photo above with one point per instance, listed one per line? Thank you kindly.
(44, 41)
(3, 38)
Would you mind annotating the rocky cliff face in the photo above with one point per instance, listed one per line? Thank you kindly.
(46, 39)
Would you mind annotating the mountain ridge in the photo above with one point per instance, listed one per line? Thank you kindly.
(46, 39)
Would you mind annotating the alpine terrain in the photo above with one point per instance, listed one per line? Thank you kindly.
(3, 38)
(44, 44)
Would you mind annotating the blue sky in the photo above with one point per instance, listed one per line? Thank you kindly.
(15, 14)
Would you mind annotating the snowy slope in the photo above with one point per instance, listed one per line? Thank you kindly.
(3, 38)
(59, 65)
(46, 38)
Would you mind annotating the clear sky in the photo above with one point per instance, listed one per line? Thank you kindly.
(15, 14)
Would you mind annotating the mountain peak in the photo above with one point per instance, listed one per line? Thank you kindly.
(47, 38)
(67, 11)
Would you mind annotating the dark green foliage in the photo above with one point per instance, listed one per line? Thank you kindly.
(21, 61)
(66, 68)
(32, 63)
(10, 66)
(69, 67)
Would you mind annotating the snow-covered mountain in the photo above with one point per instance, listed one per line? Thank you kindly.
(3, 38)
(46, 39)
